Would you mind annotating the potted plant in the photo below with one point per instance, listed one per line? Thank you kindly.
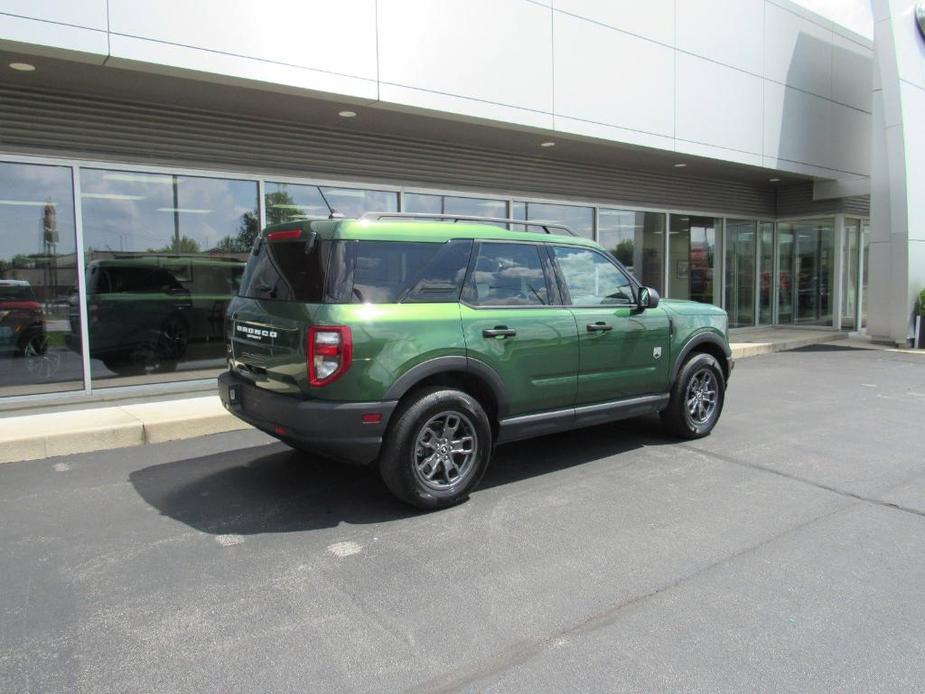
(920, 321)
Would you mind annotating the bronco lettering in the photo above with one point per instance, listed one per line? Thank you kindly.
(256, 333)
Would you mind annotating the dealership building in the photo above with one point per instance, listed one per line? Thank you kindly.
(745, 153)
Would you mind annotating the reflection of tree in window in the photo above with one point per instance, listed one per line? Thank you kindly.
(509, 275)
(592, 279)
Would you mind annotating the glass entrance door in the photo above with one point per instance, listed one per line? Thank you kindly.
(691, 258)
(765, 272)
(851, 274)
(785, 287)
(806, 258)
(741, 238)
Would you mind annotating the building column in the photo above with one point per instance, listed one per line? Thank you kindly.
(897, 206)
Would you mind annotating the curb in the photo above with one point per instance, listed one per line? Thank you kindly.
(741, 350)
(35, 436)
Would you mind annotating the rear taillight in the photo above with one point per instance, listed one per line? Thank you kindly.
(329, 350)
(284, 235)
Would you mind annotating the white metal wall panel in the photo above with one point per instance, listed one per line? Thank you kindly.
(653, 19)
(718, 105)
(337, 37)
(89, 14)
(632, 85)
(730, 32)
(496, 52)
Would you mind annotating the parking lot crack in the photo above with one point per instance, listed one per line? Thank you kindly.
(804, 480)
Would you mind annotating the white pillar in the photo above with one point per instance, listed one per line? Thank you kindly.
(897, 205)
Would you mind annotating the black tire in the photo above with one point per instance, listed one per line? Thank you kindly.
(678, 417)
(403, 463)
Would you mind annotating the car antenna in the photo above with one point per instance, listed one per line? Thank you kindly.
(334, 214)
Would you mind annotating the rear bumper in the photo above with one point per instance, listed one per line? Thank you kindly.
(332, 429)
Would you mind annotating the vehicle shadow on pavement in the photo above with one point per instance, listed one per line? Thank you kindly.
(274, 489)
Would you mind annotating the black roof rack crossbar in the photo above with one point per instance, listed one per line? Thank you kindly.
(545, 226)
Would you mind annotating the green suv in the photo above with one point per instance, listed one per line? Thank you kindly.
(420, 342)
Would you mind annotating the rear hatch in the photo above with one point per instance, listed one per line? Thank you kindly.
(281, 293)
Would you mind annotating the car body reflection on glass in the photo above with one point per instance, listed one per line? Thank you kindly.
(22, 327)
(148, 312)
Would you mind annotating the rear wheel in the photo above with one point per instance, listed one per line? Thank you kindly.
(696, 398)
(437, 448)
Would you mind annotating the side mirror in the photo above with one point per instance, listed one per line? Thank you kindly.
(647, 298)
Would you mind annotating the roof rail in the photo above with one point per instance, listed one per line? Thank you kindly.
(545, 226)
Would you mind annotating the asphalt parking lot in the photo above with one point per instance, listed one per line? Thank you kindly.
(786, 552)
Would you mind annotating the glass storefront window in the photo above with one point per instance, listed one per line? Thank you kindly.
(766, 276)
(691, 258)
(39, 308)
(288, 201)
(578, 219)
(636, 239)
(424, 203)
(164, 255)
(741, 240)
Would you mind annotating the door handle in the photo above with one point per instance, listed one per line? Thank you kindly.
(499, 331)
(599, 327)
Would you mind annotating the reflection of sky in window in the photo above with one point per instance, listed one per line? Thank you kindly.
(579, 219)
(124, 211)
(422, 203)
(286, 201)
(25, 189)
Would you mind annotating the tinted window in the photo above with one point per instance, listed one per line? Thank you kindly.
(591, 278)
(383, 272)
(286, 271)
(441, 280)
(507, 274)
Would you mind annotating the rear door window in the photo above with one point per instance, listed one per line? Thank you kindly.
(507, 274)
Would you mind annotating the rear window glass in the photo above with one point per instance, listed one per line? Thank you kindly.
(383, 272)
(286, 271)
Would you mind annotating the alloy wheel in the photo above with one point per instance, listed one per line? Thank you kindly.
(701, 398)
(445, 450)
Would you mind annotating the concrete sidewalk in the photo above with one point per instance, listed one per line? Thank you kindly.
(41, 434)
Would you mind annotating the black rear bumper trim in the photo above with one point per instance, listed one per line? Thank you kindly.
(329, 428)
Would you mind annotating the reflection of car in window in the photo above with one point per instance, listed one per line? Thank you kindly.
(146, 310)
(22, 329)
(22, 325)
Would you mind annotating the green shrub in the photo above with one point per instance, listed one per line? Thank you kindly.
(922, 303)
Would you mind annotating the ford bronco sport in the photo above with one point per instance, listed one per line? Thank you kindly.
(419, 342)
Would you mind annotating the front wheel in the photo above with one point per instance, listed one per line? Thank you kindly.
(437, 449)
(696, 398)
